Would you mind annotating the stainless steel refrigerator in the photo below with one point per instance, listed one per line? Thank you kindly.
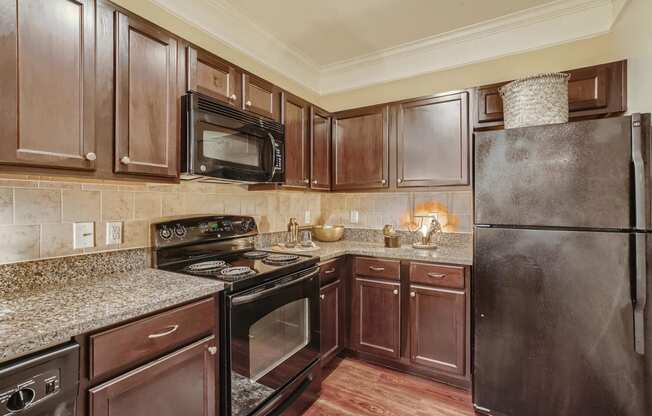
(562, 265)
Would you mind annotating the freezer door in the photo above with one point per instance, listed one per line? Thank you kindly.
(564, 175)
(553, 324)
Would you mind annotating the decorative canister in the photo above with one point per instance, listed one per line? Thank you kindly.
(536, 100)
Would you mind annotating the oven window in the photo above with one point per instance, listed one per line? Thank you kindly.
(233, 146)
(278, 336)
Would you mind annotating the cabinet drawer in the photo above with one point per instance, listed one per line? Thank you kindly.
(329, 271)
(368, 266)
(140, 341)
(436, 275)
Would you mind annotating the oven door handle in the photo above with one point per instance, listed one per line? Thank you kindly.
(240, 300)
(274, 168)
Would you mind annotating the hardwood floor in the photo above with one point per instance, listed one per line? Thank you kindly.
(355, 388)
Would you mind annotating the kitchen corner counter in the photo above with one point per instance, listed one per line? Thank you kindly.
(452, 254)
(50, 315)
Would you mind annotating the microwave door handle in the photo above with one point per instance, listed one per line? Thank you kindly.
(274, 168)
(239, 300)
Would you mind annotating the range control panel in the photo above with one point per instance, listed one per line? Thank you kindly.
(29, 392)
(200, 229)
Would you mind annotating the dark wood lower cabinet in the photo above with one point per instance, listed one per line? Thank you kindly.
(181, 383)
(331, 310)
(437, 328)
(376, 315)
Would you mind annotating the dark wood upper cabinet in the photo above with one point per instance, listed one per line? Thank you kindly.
(212, 76)
(320, 149)
(47, 83)
(146, 130)
(361, 148)
(595, 91)
(261, 97)
(181, 383)
(433, 141)
(296, 117)
(376, 316)
(331, 313)
(437, 328)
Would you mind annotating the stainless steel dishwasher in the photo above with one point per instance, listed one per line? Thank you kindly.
(43, 384)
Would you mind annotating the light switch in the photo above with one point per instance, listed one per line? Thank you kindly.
(84, 235)
(355, 217)
(113, 233)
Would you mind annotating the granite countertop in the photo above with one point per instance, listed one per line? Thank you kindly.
(452, 254)
(50, 315)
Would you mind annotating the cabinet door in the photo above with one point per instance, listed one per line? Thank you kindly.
(376, 317)
(182, 383)
(433, 141)
(320, 149)
(360, 149)
(331, 310)
(146, 130)
(296, 114)
(209, 75)
(261, 97)
(593, 91)
(47, 83)
(437, 328)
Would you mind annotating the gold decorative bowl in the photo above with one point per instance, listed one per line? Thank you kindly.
(328, 233)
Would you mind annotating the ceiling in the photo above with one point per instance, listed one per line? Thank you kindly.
(327, 32)
(336, 45)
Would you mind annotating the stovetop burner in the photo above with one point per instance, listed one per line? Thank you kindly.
(280, 259)
(239, 271)
(255, 254)
(207, 267)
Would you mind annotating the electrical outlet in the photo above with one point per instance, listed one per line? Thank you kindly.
(306, 217)
(113, 233)
(83, 235)
(355, 217)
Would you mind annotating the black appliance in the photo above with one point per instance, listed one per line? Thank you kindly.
(43, 384)
(563, 230)
(226, 144)
(269, 328)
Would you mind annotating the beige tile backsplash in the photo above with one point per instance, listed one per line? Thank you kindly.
(37, 213)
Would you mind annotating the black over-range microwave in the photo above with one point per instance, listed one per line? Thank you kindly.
(226, 144)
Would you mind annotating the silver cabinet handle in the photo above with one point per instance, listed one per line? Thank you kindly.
(383, 181)
(376, 269)
(436, 275)
(212, 350)
(91, 156)
(314, 181)
(412, 294)
(400, 180)
(248, 103)
(306, 181)
(330, 271)
(172, 329)
(233, 97)
(395, 291)
(322, 297)
(125, 160)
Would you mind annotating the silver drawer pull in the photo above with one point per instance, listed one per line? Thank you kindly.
(395, 291)
(376, 269)
(331, 271)
(212, 350)
(436, 275)
(413, 294)
(322, 297)
(172, 329)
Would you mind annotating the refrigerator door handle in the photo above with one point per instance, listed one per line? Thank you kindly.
(641, 293)
(640, 199)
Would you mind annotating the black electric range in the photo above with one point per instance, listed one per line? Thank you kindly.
(269, 311)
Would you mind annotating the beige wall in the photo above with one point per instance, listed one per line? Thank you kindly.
(37, 213)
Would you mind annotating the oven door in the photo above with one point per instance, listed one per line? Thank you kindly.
(274, 337)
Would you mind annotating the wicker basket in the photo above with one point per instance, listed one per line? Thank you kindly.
(536, 100)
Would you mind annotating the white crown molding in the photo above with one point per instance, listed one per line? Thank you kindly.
(551, 24)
